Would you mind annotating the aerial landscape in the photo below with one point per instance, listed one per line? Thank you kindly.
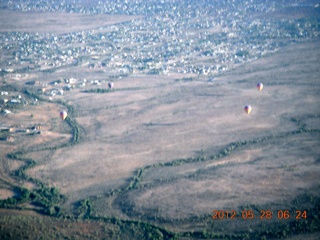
(160, 119)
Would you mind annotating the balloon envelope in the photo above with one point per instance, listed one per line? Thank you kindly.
(259, 86)
(247, 109)
(63, 115)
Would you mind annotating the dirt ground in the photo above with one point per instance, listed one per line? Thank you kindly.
(169, 120)
(59, 23)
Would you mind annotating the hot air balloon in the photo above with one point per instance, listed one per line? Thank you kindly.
(248, 109)
(63, 115)
(259, 86)
(110, 84)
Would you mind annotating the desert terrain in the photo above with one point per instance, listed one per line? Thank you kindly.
(168, 152)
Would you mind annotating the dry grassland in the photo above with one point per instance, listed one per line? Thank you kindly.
(27, 224)
(58, 23)
(170, 120)
(53, 133)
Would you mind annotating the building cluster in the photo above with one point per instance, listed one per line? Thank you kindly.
(8, 101)
(60, 87)
(10, 104)
(191, 37)
(188, 37)
(9, 134)
(172, 36)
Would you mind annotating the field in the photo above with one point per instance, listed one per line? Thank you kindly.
(55, 22)
(160, 155)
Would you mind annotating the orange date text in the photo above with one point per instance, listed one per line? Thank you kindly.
(262, 214)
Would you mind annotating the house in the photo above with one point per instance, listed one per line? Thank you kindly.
(10, 139)
(15, 101)
(6, 112)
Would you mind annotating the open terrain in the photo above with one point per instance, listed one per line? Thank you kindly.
(157, 155)
(58, 23)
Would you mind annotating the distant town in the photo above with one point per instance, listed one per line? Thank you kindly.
(167, 39)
